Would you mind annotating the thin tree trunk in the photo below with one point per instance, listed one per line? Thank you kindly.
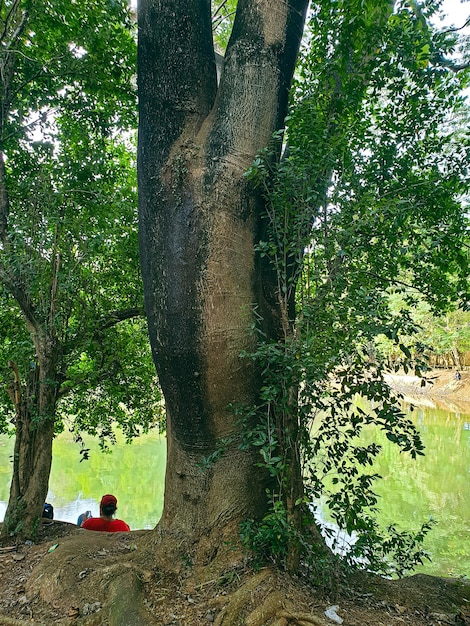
(456, 357)
(35, 403)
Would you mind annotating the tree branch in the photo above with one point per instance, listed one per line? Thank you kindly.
(258, 75)
(4, 204)
(178, 86)
(14, 7)
(115, 317)
(219, 8)
(456, 29)
(7, 66)
(112, 319)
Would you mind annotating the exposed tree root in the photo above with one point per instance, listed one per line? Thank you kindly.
(89, 570)
(301, 619)
(9, 621)
(274, 606)
(126, 609)
(269, 610)
(231, 613)
(126, 602)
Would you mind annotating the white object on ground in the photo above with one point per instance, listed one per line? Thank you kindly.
(331, 614)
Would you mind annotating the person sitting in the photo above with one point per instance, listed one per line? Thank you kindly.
(48, 511)
(106, 522)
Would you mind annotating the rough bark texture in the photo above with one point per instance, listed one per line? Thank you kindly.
(35, 401)
(199, 223)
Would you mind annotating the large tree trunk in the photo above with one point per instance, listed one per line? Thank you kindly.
(199, 225)
(35, 402)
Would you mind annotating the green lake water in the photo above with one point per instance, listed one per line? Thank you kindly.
(436, 485)
(134, 473)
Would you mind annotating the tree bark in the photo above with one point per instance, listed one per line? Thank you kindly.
(456, 357)
(199, 224)
(35, 401)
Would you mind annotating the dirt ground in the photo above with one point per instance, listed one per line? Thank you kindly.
(66, 577)
(74, 561)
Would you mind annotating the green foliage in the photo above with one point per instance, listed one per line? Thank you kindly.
(269, 538)
(388, 552)
(69, 250)
(367, 202)
(112, 383)
(223, 14)
(441, 337)
(392, 552)
(334, 406)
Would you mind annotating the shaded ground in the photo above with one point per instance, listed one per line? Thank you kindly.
(81, 568)
(73, 577)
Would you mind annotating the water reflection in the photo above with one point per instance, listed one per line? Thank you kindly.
(134, 473)
(433, 486)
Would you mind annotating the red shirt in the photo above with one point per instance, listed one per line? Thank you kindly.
(98, 523)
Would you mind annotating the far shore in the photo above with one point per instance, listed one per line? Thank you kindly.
(439, 388)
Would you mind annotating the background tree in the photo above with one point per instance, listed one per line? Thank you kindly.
(73, 345)
(223, 14)
(445, 339)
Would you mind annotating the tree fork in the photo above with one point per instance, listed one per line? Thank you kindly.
(199, 224)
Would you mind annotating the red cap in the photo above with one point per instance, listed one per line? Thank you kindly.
(108, 499)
